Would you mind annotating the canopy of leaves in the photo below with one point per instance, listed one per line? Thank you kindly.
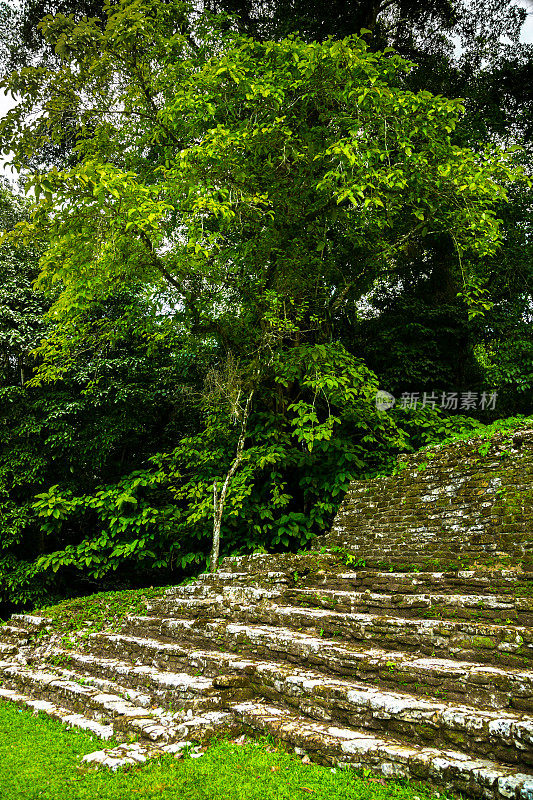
(305, 170)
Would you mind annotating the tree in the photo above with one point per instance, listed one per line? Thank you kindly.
(253, 187)
(491, 71)
(190, 176)
(316, 21)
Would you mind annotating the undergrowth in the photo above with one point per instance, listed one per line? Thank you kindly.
(482, 431)
(102, 610)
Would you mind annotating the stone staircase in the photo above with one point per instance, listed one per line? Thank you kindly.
(418, 669)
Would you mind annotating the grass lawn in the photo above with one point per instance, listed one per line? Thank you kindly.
(40, 758)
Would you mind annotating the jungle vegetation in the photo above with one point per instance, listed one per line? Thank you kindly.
(234, 224)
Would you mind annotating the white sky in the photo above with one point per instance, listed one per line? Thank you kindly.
(527, 30)
(527, 37)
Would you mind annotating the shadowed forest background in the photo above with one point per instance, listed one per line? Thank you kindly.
(240, 222)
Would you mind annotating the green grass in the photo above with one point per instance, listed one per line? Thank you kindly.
(40, 760)
(102, 610)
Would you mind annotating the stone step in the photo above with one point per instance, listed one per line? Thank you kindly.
(201, 597)
(273, 581)
(382, 546)
(129, 755)
(480, 581)
(107, 708)
(96, 680)
(260, 563)
(386, 755)
(33, 623)
(193, 729)
(505, 735)
(244, 578)
(500, 609)
(487, 686)
(147, 652)
(14, 634)
(201, 605)
(469, 640)
(64, 715)
(202, 590)
(407, 599)
(324, 565)
(512, 582)
(330, 744)
(147, 684)
(500, 645)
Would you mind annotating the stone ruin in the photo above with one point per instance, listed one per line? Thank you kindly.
(402, 644)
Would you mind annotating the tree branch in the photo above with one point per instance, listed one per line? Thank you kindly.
(337, 301)
(156, 261)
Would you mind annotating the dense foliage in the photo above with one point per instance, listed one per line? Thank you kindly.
(236, 240)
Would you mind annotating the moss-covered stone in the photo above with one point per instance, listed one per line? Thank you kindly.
(469, 502)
